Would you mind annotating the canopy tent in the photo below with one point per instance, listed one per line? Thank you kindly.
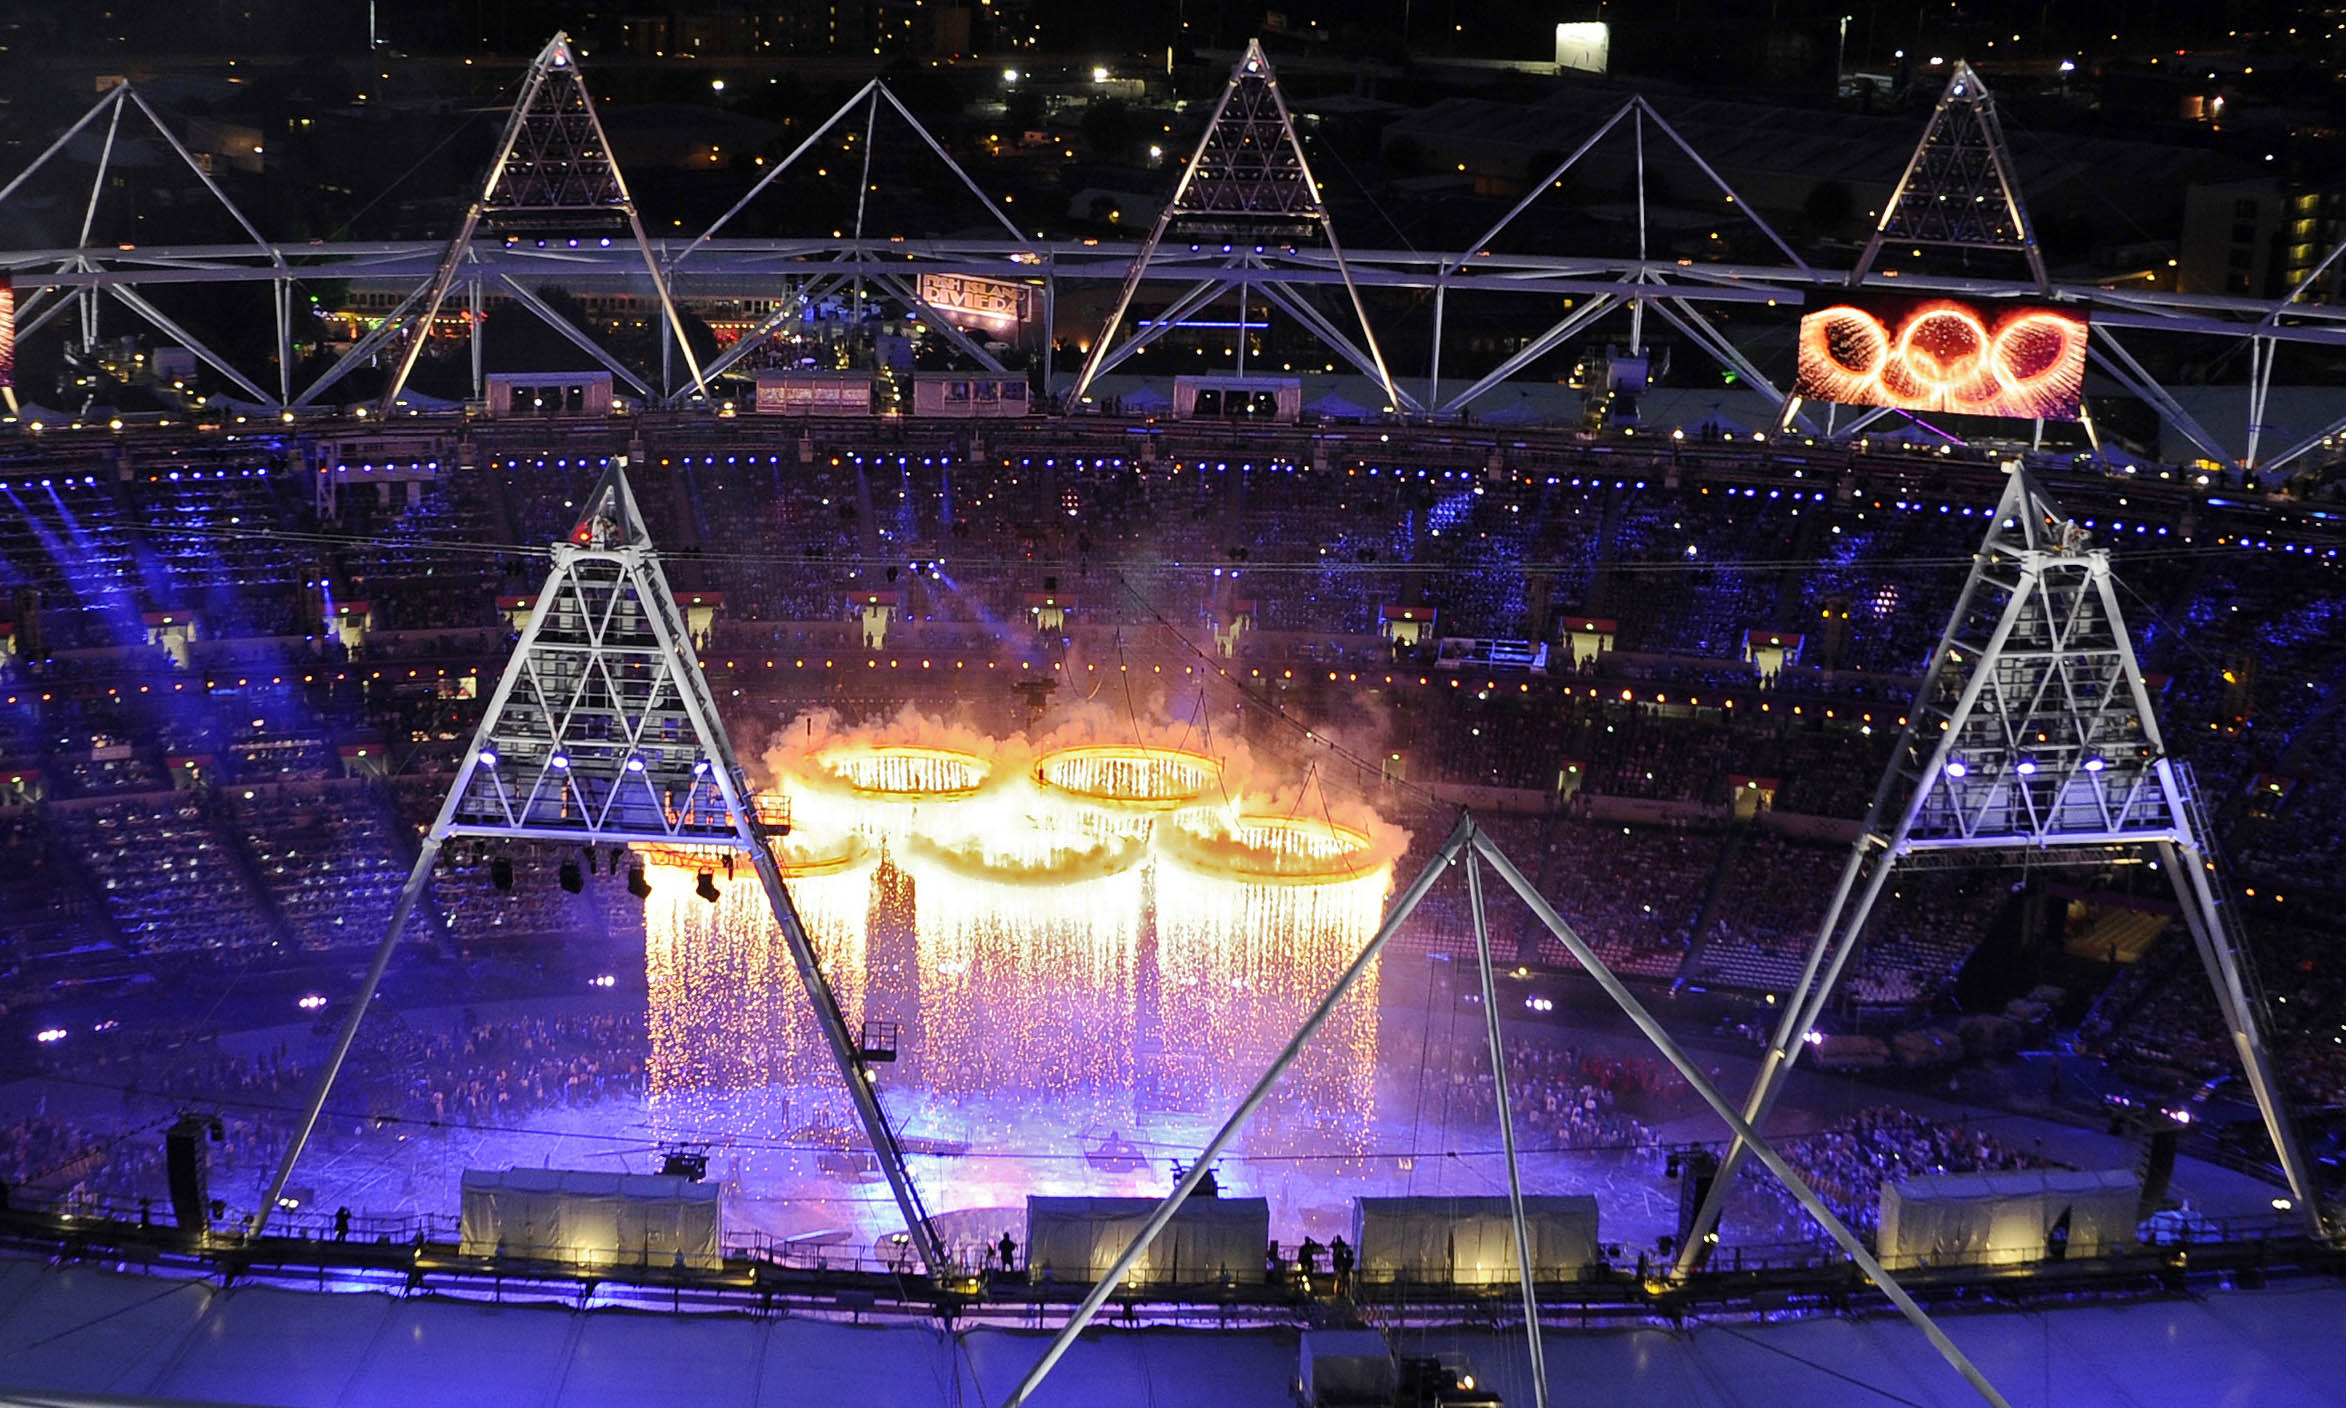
(1998, 1219)
(1209, 1239)
(1333, 404)
(1471, 1241)
(598, 1219)
(1520, 409)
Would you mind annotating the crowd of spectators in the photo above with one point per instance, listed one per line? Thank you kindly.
(478, 1074)
(261, 844)
(1849, 1160)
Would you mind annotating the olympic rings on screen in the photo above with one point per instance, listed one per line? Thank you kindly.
(1945, 356)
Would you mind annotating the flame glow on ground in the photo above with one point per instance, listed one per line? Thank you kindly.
(1108, 928)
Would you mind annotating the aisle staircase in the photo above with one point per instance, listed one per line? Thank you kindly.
(2118, 936)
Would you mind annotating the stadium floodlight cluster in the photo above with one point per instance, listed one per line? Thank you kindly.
(601, 731)
(2032, 737)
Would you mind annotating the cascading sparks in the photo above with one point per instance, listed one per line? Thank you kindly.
(1032, 968)
(727, 1010)
(1027, 964)
(1256, 918)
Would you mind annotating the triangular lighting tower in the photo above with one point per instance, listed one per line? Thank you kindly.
(602, 732)
(1247, 181)
(2032, 741)
(1959, 191)
(553, 175)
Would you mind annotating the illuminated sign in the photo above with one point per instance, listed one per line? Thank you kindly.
(7, 331)
(1942, 354)
(965, 298)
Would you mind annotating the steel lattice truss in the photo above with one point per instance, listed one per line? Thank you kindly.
(2033, 722)
(2032, 734)
(602, 732)
(556, 161)
(554, 152)
(1247, 181)
(1958, 191)
(596, 735)
(1248, 164)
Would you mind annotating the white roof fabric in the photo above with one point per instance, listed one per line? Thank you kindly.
(99, 1334)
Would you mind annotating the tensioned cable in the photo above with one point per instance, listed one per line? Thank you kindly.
(637, 1141)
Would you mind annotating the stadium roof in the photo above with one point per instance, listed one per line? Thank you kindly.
(86, 1335)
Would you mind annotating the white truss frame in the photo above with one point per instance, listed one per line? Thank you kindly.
(552, 74)
(83, 259)
(601, 732)
(1241, 181)
(2032, 735)
(1961, 178)
(54, 280)
(1469, 843)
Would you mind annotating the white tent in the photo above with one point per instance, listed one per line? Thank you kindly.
(1471, 1241)
(1999, 1219)
(593, 1218)
(1209, 1239)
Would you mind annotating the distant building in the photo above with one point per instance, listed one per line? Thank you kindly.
(2260, 239)
(770, 27)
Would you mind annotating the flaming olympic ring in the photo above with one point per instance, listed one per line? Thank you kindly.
(1944, 357)
(1277, 850)
(1134, 775)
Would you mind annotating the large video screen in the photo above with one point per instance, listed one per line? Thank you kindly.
(7, 331)
(1943, 354)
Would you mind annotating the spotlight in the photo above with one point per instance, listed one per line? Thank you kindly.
(501, 875)
(559, 761)
(488, 758)
(1957, 768)
(571, 879)
(2026, 767)
(2095, 765)
(706, 887)
(637, 885)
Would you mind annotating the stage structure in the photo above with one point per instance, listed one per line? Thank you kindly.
(1959, 163)
(861, 268)
(1247, 182)
(601, 734)
(554, 180)
(1958, 191)
(1649, 283)
(1470, 846)
(2032, 741)
(49, 297)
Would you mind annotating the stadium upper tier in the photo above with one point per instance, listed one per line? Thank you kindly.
(240, 664)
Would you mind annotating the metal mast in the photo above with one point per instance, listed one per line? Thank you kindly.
(1469, 845)
(602, 732)
(1247, 179)
(2032, 735)
(553, 171)
(1959, 191)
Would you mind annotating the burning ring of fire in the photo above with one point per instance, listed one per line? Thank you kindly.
(795, 856)
(905, 771)
(1944, 357)
(1129, 775)
(1276, 850)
